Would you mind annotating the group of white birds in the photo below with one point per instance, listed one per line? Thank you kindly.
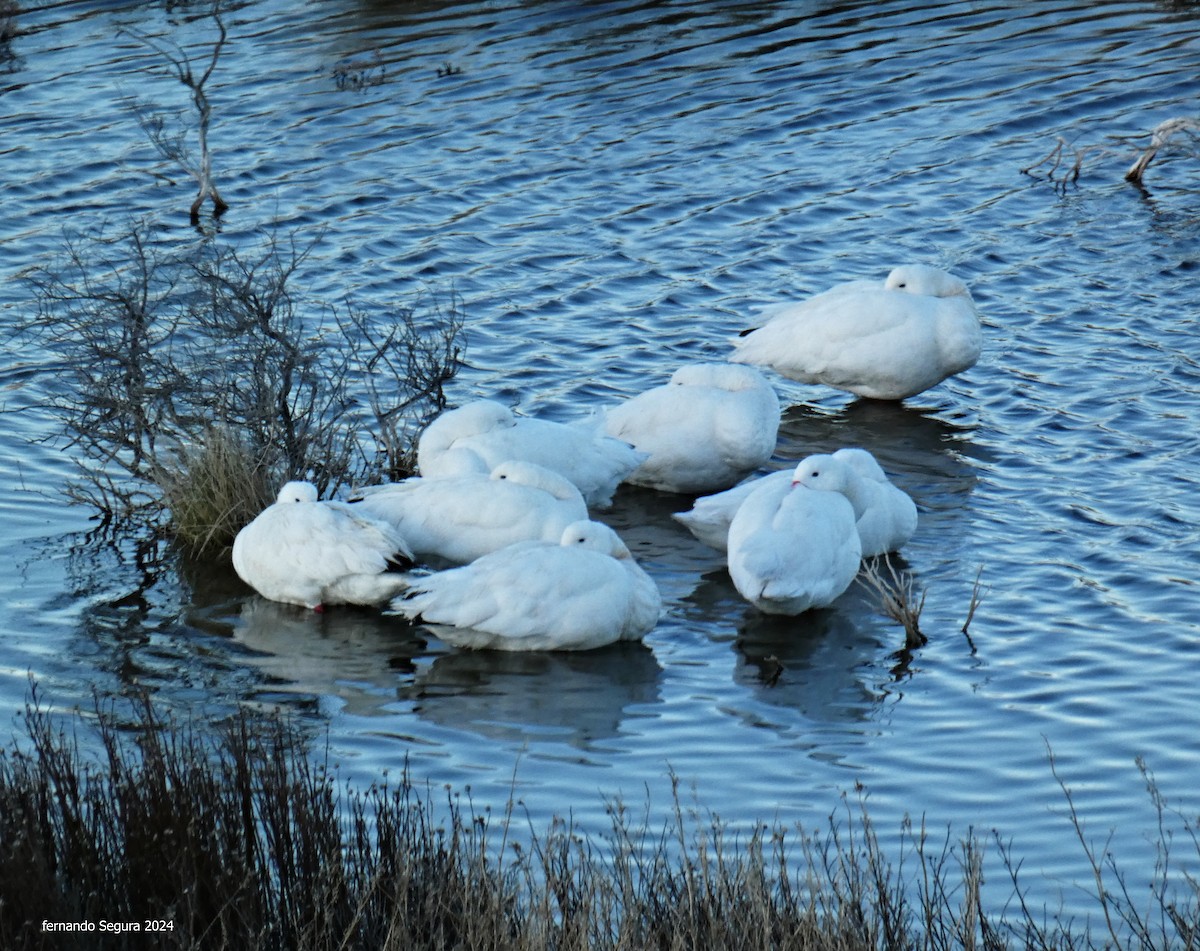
(506, 498)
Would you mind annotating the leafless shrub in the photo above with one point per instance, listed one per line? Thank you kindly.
(404, 375)
(196, 381)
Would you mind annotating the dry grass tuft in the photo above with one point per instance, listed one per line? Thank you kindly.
(214, 488)
(897, 595)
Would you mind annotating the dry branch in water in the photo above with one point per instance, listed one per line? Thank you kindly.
(1164, 134)
(1169, 134)
(171, 146)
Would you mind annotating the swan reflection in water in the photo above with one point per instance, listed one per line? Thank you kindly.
(827, 665)
(349, 653)
(580, 698)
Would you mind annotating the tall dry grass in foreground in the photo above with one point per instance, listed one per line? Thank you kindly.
(243, 841)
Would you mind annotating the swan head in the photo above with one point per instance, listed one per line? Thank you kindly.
(823, 472)
(594, 536)
(535, 476)
(473, 419)
(721, 376)
(925, 280)
(297, 492)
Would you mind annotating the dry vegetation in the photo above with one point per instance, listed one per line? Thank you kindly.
(172, 145)
(195, 378)
(243, 841)
(1064, 163)
(899, 598)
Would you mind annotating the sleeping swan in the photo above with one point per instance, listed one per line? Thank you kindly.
(584, 592)
(710, 426)
(792, 548)
(885, 516)
(885, 342)
(463, 517)
(301, 551)
(594, 462)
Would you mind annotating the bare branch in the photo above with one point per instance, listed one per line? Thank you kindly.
(171, 147)
(1163, 135)
(1173, 133)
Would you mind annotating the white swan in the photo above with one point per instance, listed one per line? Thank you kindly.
(885, 516)
(792, 548)
(594, 462)
(302, 551)
(707, 428)
(710, 515)
(453, 463)
(884, 341)
(463, 517)
(585, 592)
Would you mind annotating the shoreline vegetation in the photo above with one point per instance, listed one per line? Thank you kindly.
(244, 838)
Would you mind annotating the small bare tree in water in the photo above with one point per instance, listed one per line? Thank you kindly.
(196, 381)
(173, 146)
